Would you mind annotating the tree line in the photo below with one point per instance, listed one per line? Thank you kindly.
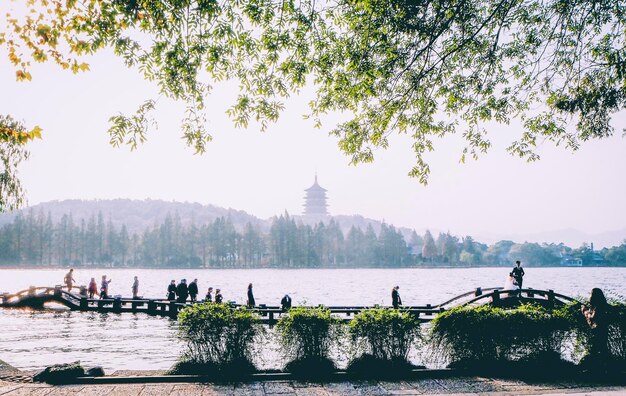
(34, 239)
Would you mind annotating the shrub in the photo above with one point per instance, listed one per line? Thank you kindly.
(466, 335)
(386, 334)
(617, 333)
(218, 336)
(307, 336)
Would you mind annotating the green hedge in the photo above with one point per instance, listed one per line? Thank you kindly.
(617, 333)
(217, 335)
(307, 336)
(381, 341)
(386, 334)
(486, 334)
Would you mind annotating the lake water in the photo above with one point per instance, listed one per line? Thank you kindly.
(34, 339)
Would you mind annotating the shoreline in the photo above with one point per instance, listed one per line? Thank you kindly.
(302, 268)
(14, 382)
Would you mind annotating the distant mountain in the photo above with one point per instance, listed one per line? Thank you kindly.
(139, 215)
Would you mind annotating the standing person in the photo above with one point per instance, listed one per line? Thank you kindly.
(69, 280)
(218, 296)
(104, 287)
(396, 301)
(209, 295)
(182, 291)
(518, 273)
(596, 313)
(171, 290)
(251, 302)
(193, 290)
(93, 288)
(285, 303)
(135, 288)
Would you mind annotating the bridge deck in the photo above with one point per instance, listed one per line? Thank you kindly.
(37, 297)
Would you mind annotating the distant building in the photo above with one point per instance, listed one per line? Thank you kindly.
(567, 260)
(597, 260)
(315, 204)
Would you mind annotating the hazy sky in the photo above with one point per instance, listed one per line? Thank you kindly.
(266, 173)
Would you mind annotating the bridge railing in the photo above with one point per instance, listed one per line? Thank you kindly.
(531, 294)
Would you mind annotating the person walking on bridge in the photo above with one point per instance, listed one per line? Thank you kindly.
(69, 280)
(93, 288)
(396, 301)
(193, 290)
(182, 291)
(251, 302)
(209, 295)
(518, 273)
(218, 296)
(135, 288)
(171, 290)
(104, 287)
(285, 303)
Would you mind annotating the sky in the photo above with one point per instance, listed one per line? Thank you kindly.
(265, 173)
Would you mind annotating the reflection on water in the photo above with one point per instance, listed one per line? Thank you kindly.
(34, 339)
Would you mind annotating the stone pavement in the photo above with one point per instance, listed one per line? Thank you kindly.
(449, 386)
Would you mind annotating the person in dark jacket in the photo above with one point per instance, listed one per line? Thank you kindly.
(209, 295)
(285, 303)
(218, 296)
(396, 301)
(171, 291)
(193, 290)
(182, 291)
(251, 302)
(518, 274)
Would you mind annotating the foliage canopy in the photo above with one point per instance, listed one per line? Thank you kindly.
(13, 135)
(427, 69)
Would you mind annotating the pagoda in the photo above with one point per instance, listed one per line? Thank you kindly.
(315, 201)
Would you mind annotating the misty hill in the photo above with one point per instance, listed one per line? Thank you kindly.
(138, 215)
(141, 214)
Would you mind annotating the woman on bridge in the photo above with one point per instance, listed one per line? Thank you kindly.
(251, 302)
(93, 288)
(510, 285)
